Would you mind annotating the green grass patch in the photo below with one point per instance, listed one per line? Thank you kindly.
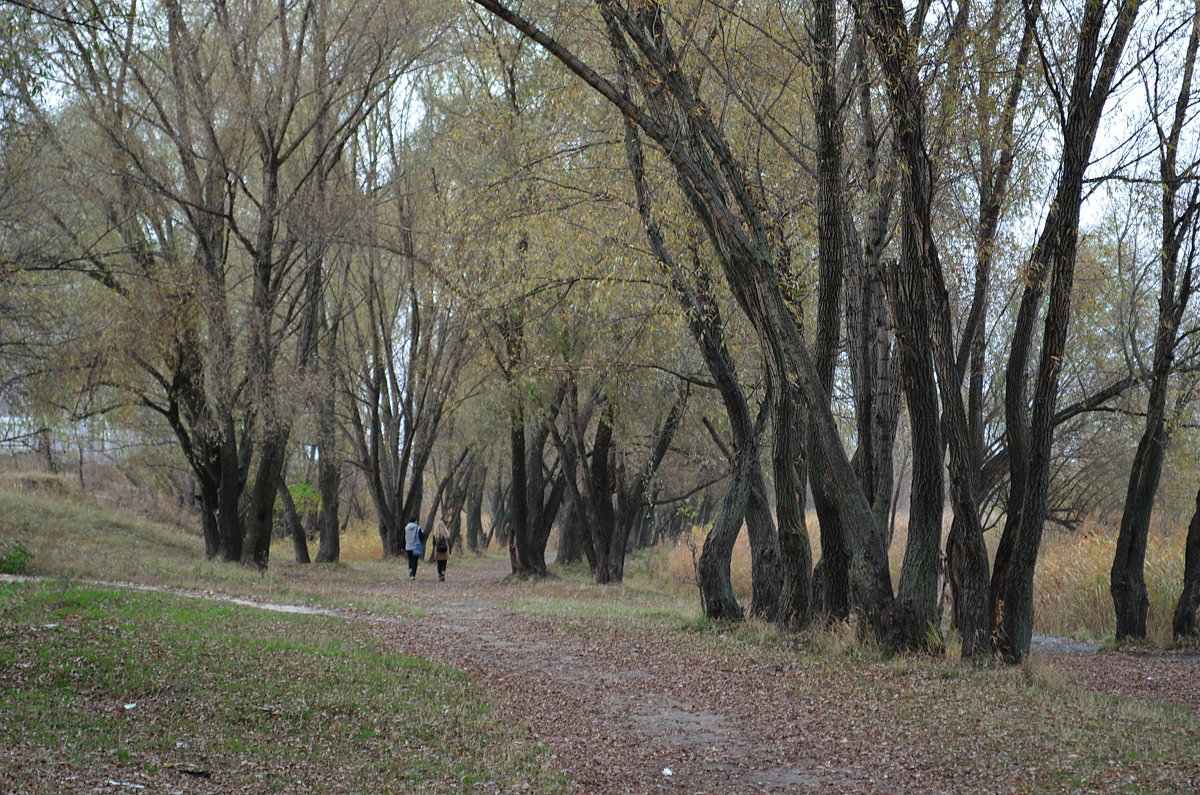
(14, 558)
(142, 687)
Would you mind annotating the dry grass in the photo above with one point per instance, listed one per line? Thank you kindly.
(1071, 590)
(1072, 580)
(1072, 597)
(360, 542)
(672, 566)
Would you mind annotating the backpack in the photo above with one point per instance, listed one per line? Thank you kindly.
(442, 544)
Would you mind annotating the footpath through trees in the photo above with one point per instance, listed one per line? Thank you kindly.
(628, 700)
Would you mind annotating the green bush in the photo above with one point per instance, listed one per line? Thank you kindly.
(15, 559)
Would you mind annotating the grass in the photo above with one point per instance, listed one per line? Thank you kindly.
(139, 687)
(1070, 589)
(308, 703)
(73, 535)
(1072, 596)
(262, 702)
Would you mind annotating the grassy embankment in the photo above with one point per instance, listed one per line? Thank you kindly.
(104, 684)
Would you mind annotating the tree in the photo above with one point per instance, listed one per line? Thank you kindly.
(203, 212)
(1177, 282)
(716, 188)
(1030, 433)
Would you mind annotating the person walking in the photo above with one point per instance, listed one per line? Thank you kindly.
(414, 545)
(441, 551)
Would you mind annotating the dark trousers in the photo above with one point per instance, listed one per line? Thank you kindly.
(441, 569)
(413, 558)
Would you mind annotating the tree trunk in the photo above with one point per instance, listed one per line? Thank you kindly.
(230, 490)
(474, 507)
(597, 493)
(208, 519)
(766, 565)
(1184, 623)
(1127, 583)
(795, 599)
(518, 525)
(293, 524)
(260, 509)
(1096, 65)
(571, 532)
(917, 598)
(831, 258)
(1127, 579)
(704, 322)
(329, 477)
(501, 505)
(712, 570)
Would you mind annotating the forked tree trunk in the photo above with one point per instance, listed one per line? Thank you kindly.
(1030, 434)
(295, 527)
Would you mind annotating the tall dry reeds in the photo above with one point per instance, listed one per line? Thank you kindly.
(1071, 586)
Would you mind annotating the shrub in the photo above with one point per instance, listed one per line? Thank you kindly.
(14, 559)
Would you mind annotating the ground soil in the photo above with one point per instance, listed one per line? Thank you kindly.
(623, 713)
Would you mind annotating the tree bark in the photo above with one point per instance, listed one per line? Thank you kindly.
(831, 258)
(916, 602)
(474, 507)
(795, 599)
(1183, 624)
(712, 569)
(295, 527)
(329, 478)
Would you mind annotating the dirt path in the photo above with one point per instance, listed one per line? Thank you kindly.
(623, 713)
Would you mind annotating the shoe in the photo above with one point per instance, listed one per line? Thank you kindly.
(412, 576)
(441, 578)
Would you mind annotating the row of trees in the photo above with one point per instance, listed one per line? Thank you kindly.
(609, 267)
